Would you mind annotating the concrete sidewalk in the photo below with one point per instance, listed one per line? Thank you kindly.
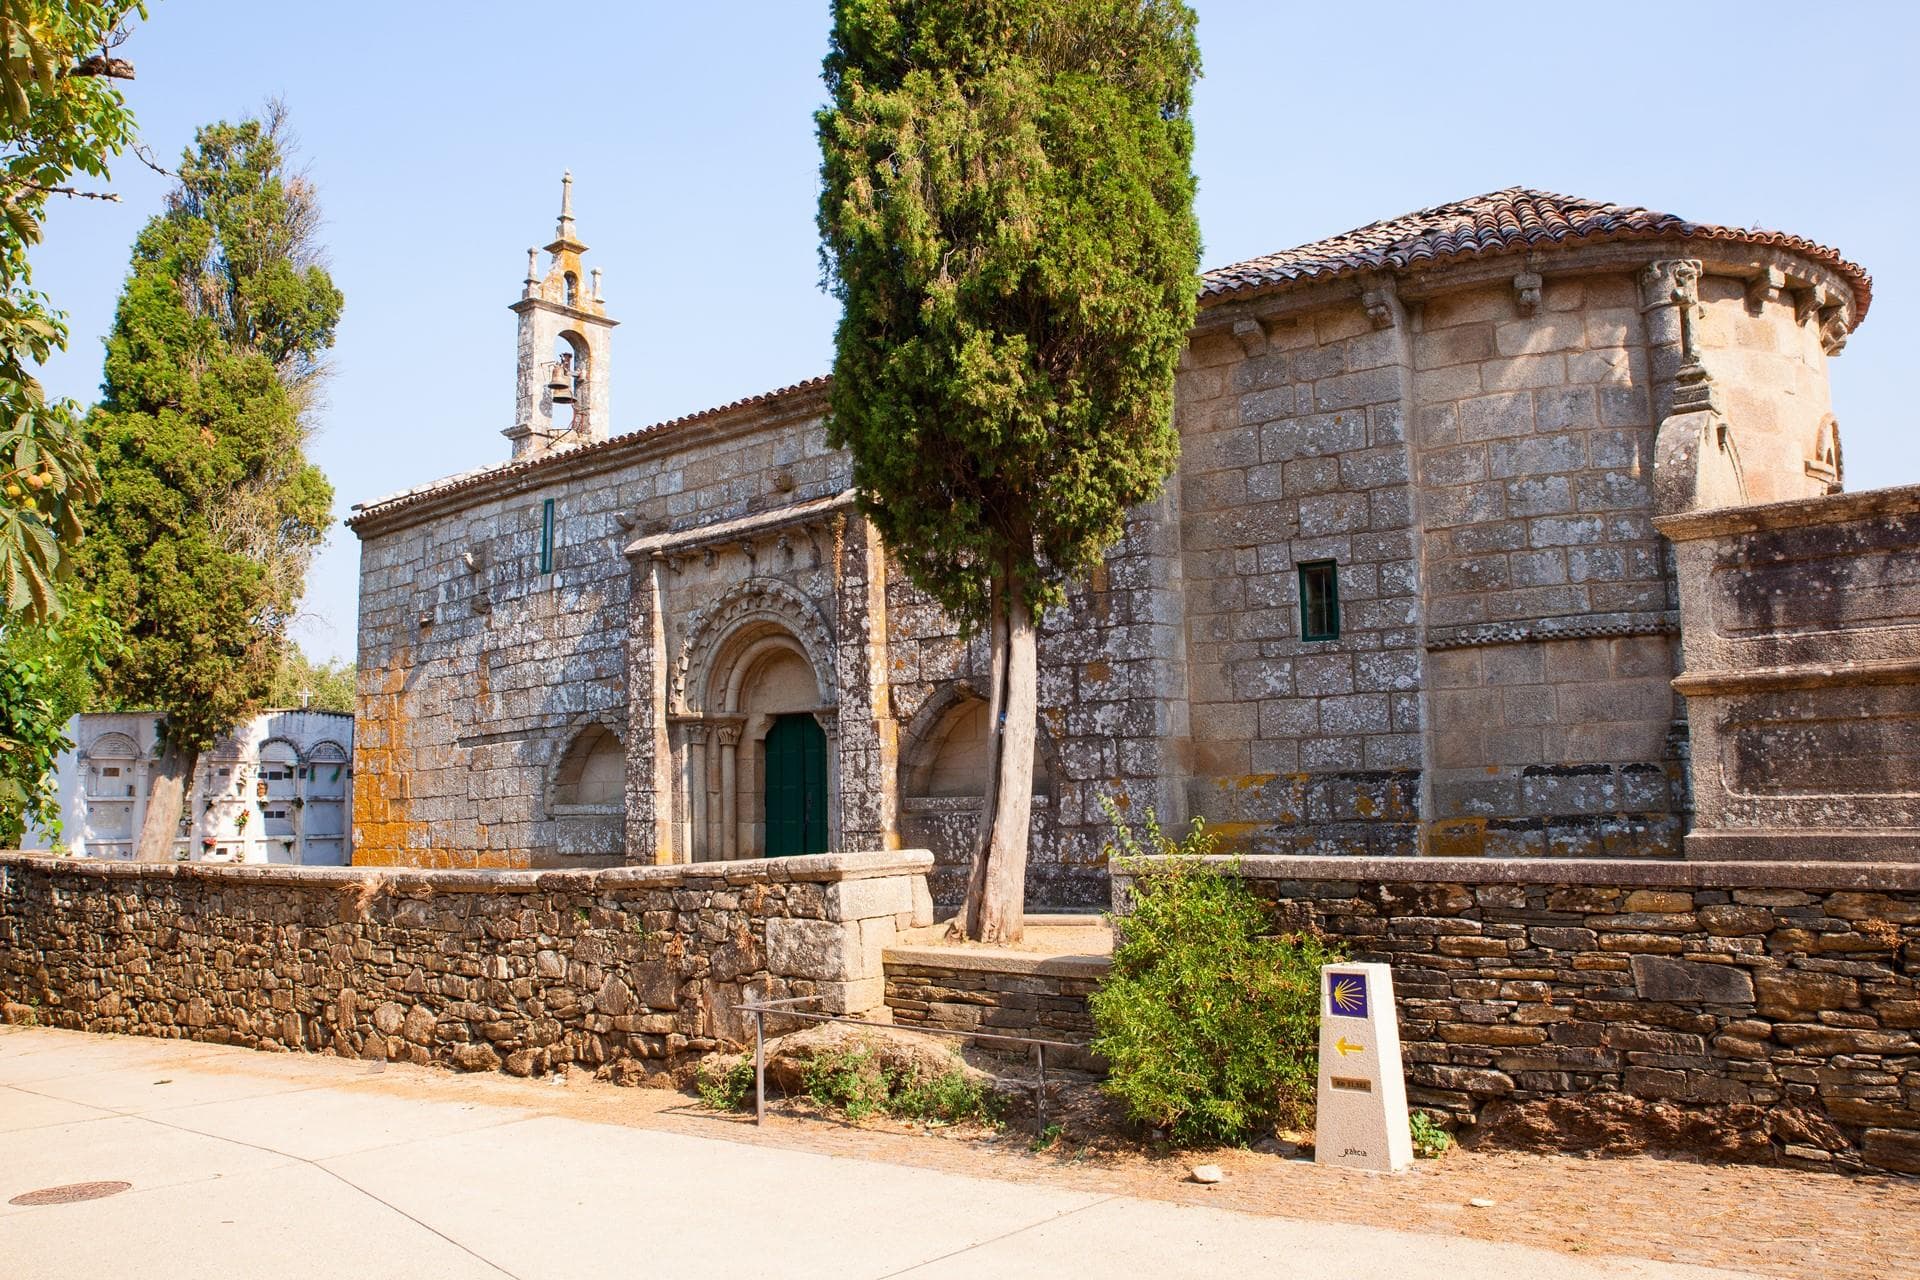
(256, 1165)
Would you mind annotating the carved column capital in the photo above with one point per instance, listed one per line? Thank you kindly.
(1669, 282)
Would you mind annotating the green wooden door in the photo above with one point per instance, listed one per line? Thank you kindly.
(796, 787)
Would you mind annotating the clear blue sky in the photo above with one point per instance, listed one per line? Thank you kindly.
(437, 133)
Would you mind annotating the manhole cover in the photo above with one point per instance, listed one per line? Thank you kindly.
(70, 1193)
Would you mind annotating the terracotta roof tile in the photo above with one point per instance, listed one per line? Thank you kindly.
(1499, 222)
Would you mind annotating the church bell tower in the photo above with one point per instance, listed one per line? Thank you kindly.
(562, 392)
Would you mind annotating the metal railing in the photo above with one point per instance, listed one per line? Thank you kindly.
(785, 1009)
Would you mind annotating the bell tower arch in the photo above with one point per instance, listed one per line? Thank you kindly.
(562, 387)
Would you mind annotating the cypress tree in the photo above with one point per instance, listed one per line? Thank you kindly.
(210, 511)
(1007, 215)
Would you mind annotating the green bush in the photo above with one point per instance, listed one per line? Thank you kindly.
(726, 1090)
(849, 1080)
(1209, 1025)
(855, 1081)
(1430, 1138)
(946, 1099)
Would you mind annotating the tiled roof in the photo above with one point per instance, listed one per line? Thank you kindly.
(1499, 222)
(363, 511)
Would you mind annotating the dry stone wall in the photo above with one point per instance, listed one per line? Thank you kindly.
(1747, 1011)
(1012, 994)
(632, 969)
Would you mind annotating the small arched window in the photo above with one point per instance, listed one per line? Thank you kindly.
(592, 774)
(952, 760)
(1824, 465)
(573, 289)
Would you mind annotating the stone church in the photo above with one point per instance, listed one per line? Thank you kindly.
(1404, 594)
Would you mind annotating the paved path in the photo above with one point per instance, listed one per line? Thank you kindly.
(255, 1165)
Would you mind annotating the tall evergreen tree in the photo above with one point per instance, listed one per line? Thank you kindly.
(1007, 216)
(210, 511)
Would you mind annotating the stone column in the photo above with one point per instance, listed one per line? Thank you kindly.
(1696, 461)
(729, 735)
(693, 788)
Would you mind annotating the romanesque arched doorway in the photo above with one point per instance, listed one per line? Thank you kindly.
(754, 733)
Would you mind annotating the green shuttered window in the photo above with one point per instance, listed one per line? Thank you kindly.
(546, 536)
(1319, 601)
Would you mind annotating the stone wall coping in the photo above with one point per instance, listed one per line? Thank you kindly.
(1831, 508)
(980, 960)
(824, 868)
(1628, 872)
(724, 530)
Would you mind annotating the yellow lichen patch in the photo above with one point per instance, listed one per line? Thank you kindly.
(1233, 837)
(1364, 806)
(383, 834)
(1248, 781)
(1457, 838)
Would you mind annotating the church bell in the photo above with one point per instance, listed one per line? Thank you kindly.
(560, 385)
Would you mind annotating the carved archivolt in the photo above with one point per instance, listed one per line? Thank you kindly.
(756, 604)
(111, 746)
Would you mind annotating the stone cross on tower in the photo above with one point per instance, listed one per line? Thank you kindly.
(562, 384)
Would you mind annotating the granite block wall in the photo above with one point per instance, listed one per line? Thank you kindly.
(1294, 449)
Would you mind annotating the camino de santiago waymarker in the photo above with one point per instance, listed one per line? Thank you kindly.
(1363, 1092)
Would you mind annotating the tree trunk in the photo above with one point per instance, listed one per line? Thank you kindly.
(159, 829)
(997, 912)
(996, 703)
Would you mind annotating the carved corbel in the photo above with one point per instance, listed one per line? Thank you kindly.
(748, 550)
(1811, 301)
(708, 556)
(1769, 286)
(474, 560)
(1379, 296)
(1526, 292)
(483, 602)
(1251, 335)
(624, 521)
(1833, 330)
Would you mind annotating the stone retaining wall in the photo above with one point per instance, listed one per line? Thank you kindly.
(1041, 997)
(1751, 1011)
(634, 967)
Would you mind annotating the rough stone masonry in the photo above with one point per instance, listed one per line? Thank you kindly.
(634, 969)
(1750, 1010)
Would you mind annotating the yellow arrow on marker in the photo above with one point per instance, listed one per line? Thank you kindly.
(1346, 1047)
